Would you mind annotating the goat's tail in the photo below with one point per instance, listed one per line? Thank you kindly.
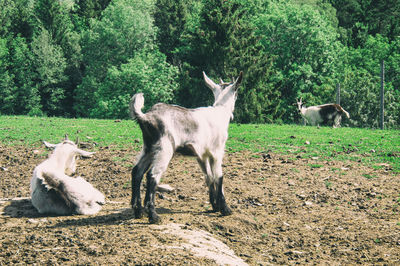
(136, 105)
(344, 111)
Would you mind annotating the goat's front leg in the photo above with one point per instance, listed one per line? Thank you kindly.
(137, 175)
(216, 168)
(210, 181)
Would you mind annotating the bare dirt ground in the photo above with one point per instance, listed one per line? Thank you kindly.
(285, 211)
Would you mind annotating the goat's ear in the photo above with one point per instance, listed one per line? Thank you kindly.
(239, 79)
(49, 145)
(84, 153)
(216, 89)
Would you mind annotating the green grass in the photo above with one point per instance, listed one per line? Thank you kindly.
(372, 147)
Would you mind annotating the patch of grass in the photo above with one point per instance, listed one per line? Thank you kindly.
(127, 185)
(328, 184)
(313, 166)
(369, 176)
(367, 146)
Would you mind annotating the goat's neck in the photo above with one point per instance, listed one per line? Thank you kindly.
(226, 105)
(303, 110)
(59, 160)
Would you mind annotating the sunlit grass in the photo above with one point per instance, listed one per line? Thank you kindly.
(378, 148)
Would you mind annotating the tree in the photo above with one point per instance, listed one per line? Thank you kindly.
(305, 49)
(221, 40)
(170, 19)
(56, 18)
(19, 87)
(147, 72)
(6, 81)
(50, 65)
(361, 82)
(125, 34)
(361, 18)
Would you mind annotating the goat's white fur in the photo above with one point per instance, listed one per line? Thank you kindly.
(203, 131)
(315, 115)
(54, 191)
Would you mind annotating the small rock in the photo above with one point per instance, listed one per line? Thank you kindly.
(307, 142)
(3, 169)
(301, 196)
(291, 183)
(308, 203)
(165, 188)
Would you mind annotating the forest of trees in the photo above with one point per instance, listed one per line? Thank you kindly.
(86, 58)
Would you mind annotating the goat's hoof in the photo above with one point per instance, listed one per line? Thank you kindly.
(226, 211)
(154, 219)
(138, 213)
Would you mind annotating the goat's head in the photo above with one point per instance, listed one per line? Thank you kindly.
(299, 104)
(67, 153)
(224, 93)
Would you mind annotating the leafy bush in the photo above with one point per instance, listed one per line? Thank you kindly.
(148, 73)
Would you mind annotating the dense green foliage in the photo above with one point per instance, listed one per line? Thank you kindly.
(78, 58)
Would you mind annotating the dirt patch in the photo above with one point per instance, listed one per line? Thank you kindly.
(285, 211)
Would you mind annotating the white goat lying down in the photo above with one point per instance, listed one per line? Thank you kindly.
(322, 114)
(200, 132)
(54, 191)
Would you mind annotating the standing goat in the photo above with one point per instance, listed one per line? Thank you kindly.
(322, 114)
(200, 132)
(54, 191)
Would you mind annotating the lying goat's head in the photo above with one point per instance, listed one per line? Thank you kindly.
(66, 153)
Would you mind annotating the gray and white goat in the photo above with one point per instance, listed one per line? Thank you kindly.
(200, 132)
(54, 191)
(322, 114)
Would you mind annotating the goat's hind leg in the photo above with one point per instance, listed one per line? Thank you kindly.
(137, 175)
(160, 163)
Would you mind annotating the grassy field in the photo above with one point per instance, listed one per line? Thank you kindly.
(376, 148)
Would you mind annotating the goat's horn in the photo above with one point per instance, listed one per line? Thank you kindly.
(66, 137)
(221, 81)
(77, 141)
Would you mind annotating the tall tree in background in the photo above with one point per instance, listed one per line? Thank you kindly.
(363, 17)
(305, 49)
(125, 34)
(222, 44)
(50, 65)
(54, 17)
(170, 19)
